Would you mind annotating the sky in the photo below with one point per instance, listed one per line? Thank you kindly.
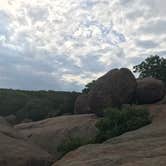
(64, 44)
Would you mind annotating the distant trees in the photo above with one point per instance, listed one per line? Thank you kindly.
(153, 66)
(36, 105)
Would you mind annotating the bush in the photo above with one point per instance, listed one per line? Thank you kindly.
(71, 144)
(115, 122)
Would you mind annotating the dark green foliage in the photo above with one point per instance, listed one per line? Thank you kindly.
(153, 66)
(88, 87)
(36, 109)
(11, 101)
(70, 144)
(36, 105)
(114, 123)
(117, 122)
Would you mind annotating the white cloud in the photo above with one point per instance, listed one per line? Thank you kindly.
(70, 42)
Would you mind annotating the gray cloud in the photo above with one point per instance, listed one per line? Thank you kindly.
(38, 13)
(64, 44)
(91, 63)
(4, 22)
(146, 44)
(156, 27)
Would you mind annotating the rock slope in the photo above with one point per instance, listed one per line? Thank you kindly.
(16, 151)
(145, 147)
(50, 133)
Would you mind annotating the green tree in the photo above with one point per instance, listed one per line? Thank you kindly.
(153, 66)
(88, 86)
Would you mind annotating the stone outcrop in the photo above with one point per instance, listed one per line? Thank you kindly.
(149, 90)
(16, 151)
(113, 89)
(52, 132)
(143, 147)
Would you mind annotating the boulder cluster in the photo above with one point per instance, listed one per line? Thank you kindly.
(118, 87)
(36, 143)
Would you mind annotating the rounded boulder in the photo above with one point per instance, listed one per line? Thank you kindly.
(115, 88)
(149, 90)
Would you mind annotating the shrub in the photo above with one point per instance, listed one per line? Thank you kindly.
(117, 121)
(114, 123)
(70, 144)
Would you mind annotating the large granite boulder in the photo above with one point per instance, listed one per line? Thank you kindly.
(113, 89)
(149, 90)
(15, 150)
(143, 147)
(52, 132)
(82, 105)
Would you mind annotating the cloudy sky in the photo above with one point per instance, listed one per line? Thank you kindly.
(63, 44)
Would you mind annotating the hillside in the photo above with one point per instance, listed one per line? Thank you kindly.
(36, 105)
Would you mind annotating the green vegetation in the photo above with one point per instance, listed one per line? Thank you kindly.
(36, 105)
(88, 87)
(118, 121)
(153, 66)
(114, 123)
(71, 144)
